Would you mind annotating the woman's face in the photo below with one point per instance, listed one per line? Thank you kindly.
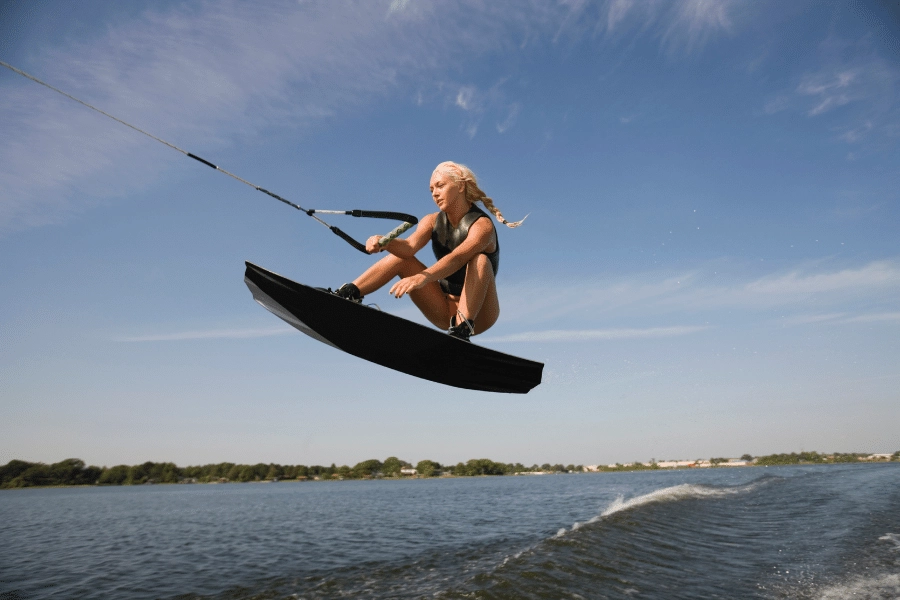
(446, 192)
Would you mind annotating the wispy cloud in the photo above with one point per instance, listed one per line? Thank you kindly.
(212, 75)
(830, 90)
(853, 86)
(682, 28)
(465, 98)
(584, 335)
(653, 295)
(213, 334)
(842, 318)
(890, 317)
(510, 119)
(695, 23)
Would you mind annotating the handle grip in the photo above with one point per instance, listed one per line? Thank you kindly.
(384, 241)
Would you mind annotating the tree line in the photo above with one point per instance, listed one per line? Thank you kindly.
(814, 458)
(74, 471)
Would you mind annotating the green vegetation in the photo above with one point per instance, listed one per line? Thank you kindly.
(73, 471)
(812, 458)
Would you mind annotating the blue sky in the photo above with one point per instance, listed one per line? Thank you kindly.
(710, 267)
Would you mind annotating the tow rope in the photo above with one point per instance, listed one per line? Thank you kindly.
(408, 220)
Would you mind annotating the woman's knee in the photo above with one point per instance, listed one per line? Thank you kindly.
(481, 265)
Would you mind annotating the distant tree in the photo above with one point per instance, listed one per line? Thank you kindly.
(746, 457)
(481, 466)
(343, 471)
(717, 461)
(367, 468)
(114, 475)
(391, 466)
(36, 474)
(570, 468)
(427, 468)
(12, 469)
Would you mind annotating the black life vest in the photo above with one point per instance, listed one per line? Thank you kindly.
(445, 238)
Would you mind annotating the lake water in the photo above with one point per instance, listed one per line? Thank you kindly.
(824, 532)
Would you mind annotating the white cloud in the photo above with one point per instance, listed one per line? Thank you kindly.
(853, 89)
(810, 319)
(584, 335)
(207, 76)
(695, 22)
(842, 318)
(235, 334)
(398, 5)
(510, 119)
(650, 295)
(891, 317)
(465, 98)
(830, 90)
(681, 27)
(799, 284)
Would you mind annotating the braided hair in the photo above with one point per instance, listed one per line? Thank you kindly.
(463, 174)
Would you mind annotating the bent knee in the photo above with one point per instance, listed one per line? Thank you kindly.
(481, 263)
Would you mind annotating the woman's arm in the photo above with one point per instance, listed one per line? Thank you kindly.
(479, 239)
(405, 247)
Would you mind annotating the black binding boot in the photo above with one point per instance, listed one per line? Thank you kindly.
(349, 292)
(462, 331)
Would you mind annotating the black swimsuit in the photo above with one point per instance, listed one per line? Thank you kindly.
(445, 238)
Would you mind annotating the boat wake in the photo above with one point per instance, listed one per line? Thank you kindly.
(685, 491)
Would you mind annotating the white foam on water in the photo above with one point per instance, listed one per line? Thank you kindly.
(677, 492)
(884, 587)
(894, 538)
(684, 491)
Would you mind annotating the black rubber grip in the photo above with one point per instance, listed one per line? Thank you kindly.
(205, 162)
(349, 240)
(381, 214)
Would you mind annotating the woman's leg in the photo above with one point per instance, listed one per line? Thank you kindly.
(429, 299)
(479, 300)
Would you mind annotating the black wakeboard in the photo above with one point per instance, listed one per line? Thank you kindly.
(390, 341)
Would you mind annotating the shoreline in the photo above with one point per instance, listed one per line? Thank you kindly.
(643, 469)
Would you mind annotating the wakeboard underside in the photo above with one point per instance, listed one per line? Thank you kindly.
(388, 340)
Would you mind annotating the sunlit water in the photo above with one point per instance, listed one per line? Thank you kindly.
(828, 532)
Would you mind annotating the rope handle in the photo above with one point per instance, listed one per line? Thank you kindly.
(385, 240)
(409, 221)
(381, 214)
(348, 239)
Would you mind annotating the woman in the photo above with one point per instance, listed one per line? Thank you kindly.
(458, 290)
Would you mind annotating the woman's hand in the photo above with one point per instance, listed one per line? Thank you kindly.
(408, 284)
(372, 245)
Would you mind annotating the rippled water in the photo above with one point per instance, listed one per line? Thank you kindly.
(828, 532)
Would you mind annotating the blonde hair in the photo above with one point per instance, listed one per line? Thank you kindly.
(463, 174)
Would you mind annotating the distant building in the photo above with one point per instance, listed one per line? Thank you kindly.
(877, 457)
(592, 468)
(408, 471)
